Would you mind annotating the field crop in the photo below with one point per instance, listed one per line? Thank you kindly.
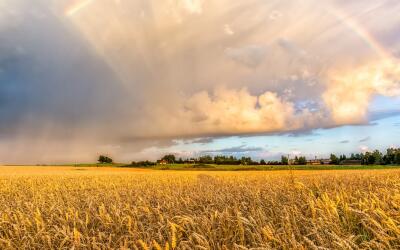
(90, 208)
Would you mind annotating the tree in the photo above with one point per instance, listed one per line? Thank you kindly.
(377, 157)
(206, 159)
(104, 159)
(302, 160)
(356, 157)
(397, 157)
(246, 161)
(262, 162)
(392, 156)
(284, 160)
(371, 158)
(334, 159)
(169, 158)
(368, 158)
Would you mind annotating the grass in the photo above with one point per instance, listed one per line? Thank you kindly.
(212, 167)
(123, 208)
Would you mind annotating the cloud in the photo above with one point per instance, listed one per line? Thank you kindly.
(364, 148)
(203, 141)
(251, 56)
(344, 141)
(193, 6)
(291, 48)
(229, 111)
(365, 139)
(151, 72)
(228, 30)
(349, 93)
(299, 133)
(234, 150)
(382, 114)
(275, 15)
(296, 152)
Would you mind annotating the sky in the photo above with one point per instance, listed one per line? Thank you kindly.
(136, 79)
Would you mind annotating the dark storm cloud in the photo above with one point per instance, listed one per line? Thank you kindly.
(53, 88)
(50, 75)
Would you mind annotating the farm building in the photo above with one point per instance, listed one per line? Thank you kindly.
(319, 162)
(162, 162)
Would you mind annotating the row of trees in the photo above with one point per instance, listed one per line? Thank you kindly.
(230, 160)
(208, 159)
(391, 156)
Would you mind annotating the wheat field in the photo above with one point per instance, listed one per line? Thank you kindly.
(96, 208)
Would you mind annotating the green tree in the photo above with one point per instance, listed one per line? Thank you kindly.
(284, 160)
(169, 158)
(397, 157)
(246, 161)
(334, 159)
(207, 159)
(390, 156)
(104, 159)
(302, 160)
(262, 162)
(369, 158)
(378, 157)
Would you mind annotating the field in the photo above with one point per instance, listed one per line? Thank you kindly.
(124, 208)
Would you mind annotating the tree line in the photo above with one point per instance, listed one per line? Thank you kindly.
(390, 157)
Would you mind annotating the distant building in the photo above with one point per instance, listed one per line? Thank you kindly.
(319, 162)
(325, 161)
(314, 162)
(162, 162)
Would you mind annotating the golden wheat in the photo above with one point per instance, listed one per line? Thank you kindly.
(95, 208)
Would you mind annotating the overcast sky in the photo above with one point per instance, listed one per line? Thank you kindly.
(139, 78)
